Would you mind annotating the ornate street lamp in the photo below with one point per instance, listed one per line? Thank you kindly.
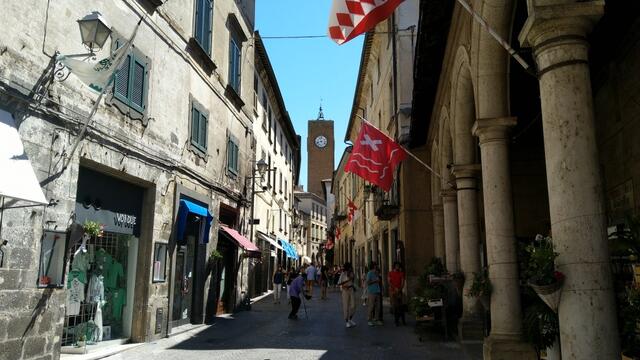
(94, 31)
(262, 167)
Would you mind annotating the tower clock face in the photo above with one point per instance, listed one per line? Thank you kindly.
(321, 141)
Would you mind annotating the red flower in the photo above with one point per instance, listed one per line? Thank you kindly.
(558, 275)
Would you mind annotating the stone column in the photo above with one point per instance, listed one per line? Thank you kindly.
(451, 242)
(557, 32)
(438, 231)
(469, 233)
(506, 314)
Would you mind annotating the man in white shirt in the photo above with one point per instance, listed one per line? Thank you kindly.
(311, 278)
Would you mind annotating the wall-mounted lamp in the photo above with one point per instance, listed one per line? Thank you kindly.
(94, 30)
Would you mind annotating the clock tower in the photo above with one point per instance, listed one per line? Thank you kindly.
(320, 153)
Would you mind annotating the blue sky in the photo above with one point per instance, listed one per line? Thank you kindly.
(310, 69)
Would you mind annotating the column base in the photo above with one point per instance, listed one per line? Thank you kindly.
(470, 329)
(507, 349)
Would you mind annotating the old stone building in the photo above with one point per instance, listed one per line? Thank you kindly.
(277, 145)
(385, 225)
(518, 150)
(163, 167)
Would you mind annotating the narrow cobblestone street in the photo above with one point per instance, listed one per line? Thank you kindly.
(266, 333)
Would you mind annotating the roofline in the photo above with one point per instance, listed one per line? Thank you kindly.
(261, 51)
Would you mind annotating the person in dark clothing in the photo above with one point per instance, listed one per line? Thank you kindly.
(295, 290)
(278, 278)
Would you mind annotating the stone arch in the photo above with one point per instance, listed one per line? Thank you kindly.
(463, 110)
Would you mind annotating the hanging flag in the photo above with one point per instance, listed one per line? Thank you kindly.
(350, 18)
(352, 210)
(98, 75)
(337, 233)
(375, 156)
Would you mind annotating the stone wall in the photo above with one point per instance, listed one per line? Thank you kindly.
(154, 154)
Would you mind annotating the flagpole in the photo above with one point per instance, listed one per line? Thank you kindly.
(94, 109)
(483, 24)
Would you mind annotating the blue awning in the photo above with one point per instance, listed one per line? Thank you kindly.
(289, 249)
(187, 207)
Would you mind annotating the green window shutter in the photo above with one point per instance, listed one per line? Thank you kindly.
(235, 158)
(229, 154)
(195, 125)
(139, 73)
(121, 90)
(203, 131)
(207, 25)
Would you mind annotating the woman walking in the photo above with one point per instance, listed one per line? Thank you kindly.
(348, 290)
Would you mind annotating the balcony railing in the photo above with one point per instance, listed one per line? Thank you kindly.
(386, 204)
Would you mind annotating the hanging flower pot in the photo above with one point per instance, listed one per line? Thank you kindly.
(485, 300)
(550, 293)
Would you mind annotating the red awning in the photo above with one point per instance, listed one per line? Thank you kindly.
(242, 241)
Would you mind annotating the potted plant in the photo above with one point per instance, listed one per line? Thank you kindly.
(540, 326)
(541, 273)
(82, 340)
(93, 228)
(481, 288)
(630, 318)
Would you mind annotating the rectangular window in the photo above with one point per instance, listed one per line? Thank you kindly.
(160, 262)
(270, 117)
(199, 124)
(235, 54)
(269, 173)
(232, 156)
(264, 112)
(286, 187)
(255, 93)
(52, 259)
(202, 31)
(130, 82)
(280, 183)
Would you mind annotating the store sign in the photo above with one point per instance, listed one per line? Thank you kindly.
(109, 201)
(112, 221)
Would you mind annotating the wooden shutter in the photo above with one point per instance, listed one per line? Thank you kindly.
(195, 125)
(203, 131)
(139, 73)
(121, 90)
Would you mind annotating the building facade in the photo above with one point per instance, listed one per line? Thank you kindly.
(385, 225)
(157, 183)
(315, 213)
(278, 145)
(515, 155)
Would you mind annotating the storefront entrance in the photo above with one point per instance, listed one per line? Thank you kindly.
(101, 280)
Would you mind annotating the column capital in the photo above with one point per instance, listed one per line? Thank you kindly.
(494, 129)
(555, 19)
(466, 171)
(449, 195)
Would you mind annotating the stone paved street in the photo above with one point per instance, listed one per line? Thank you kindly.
(266, 333)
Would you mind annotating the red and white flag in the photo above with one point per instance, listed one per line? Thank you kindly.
(352, 210)
(337, 233)
(350, 18)
(375, 156)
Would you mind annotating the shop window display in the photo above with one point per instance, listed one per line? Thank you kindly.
(96, 289)
(52, 257)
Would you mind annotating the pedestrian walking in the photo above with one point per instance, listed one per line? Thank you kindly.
(324, 282)
(290, 276)
(396, 284)
(311, 278)
(374, 290)
(278, 279)
(348, 289)
(296, 289)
